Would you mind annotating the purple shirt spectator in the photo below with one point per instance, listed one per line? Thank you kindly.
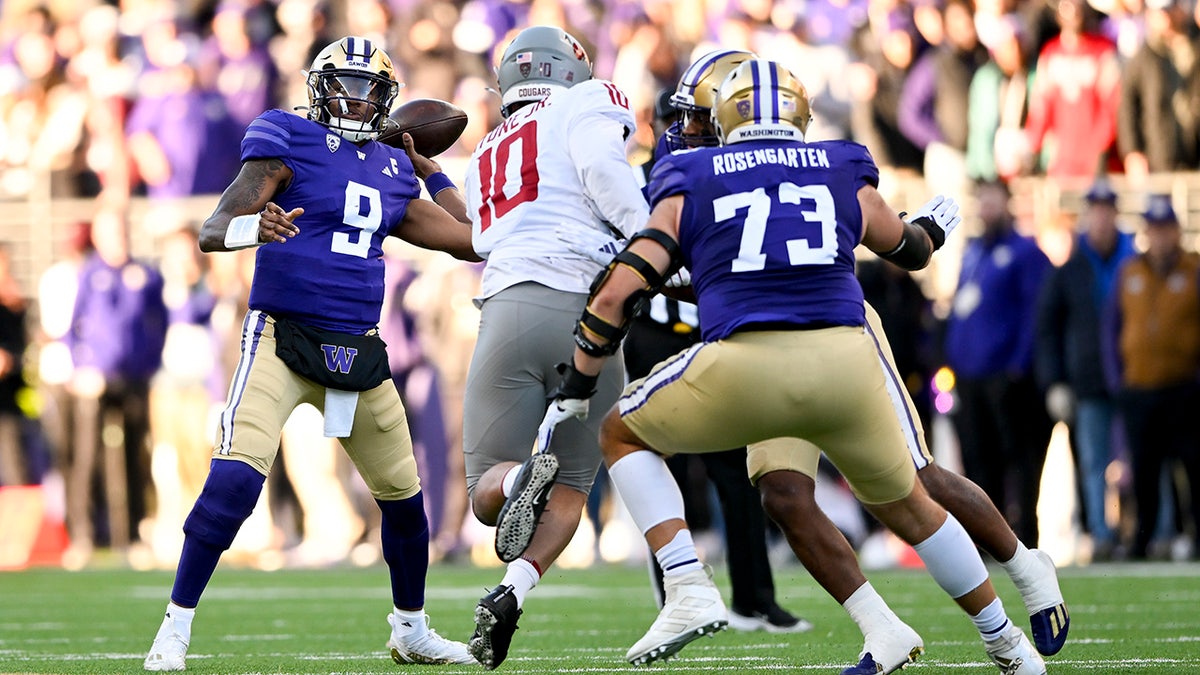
(120, 322)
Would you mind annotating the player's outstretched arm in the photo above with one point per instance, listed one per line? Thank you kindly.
(440, 188)
(907, 243)
(245, 215)
(428, 225)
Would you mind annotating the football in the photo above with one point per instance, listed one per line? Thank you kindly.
(434, 124)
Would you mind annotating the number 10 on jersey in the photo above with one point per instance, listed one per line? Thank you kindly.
(493, 174)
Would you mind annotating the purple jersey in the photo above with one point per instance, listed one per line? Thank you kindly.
(768, 230)
(331, 274)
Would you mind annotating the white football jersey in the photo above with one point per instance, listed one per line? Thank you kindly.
(557, 163)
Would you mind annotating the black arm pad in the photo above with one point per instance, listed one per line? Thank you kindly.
(914, 249)
(574, 383)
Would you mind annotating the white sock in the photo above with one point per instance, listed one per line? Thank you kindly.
(181, 615)
(992, 621)
(522, 576)
(868, 609)
(679, 555)
(1018, 565)
(647, 488)
(409, 622)
(177, 620)
(509, 480)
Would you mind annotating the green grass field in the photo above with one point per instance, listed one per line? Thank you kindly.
(1125, 619)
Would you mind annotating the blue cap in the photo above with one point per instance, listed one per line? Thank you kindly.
(1101, 193)
(1159, 210)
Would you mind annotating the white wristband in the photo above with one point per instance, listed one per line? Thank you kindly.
(242, 232)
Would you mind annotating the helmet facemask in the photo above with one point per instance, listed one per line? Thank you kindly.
(350, 93)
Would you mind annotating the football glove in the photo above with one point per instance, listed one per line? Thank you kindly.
(569, 399)
(591, 244)
(939, 216)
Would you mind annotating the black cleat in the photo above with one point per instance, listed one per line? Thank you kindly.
(518, 518)
(495, 622)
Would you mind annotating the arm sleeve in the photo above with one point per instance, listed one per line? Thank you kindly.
(596, 144)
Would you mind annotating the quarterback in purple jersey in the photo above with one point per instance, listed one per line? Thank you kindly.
(767, 225)
(317, 196)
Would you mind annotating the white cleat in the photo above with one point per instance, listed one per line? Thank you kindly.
(427, 647)
(888, 651)
(169, 651)
(693, 608)
(1014, 653)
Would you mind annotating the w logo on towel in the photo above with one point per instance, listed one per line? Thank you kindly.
(339, 359)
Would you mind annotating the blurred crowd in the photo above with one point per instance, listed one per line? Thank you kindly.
(148, 99)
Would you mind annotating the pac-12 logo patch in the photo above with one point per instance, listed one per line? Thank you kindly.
(333, 142)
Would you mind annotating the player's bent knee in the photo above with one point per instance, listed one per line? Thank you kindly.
(786, 495)
(616, 439)
(228, 497)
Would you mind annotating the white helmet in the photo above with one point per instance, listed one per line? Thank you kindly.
(538, 62)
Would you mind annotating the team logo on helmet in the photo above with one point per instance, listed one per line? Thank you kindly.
(525, 69)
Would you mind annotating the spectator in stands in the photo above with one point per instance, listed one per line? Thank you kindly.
(237, 68)
(935, 96)
(1068, 348)
(1153, 357)
(1159, 116)
(997, 104)
(1076, 89)
(56, 289)
(179, 391)
(14, 464)
(885, 48)
(178, 134)
(116, 341)
(989, 345)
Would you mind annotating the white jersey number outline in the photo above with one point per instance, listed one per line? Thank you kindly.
(758, 205)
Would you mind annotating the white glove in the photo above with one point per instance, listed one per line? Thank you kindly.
(591, 244)
(681, 278)
(1060, 402)
(943, 211)
(558, 411)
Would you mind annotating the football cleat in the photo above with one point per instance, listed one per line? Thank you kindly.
(887, 652)
(774, 620)
(1014, 655)
(1048, 616)
(518, 518)
(693, 608)
(169, 650)
(495, 622)
(425, 647)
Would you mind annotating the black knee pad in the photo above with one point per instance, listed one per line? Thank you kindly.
(230, 493)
